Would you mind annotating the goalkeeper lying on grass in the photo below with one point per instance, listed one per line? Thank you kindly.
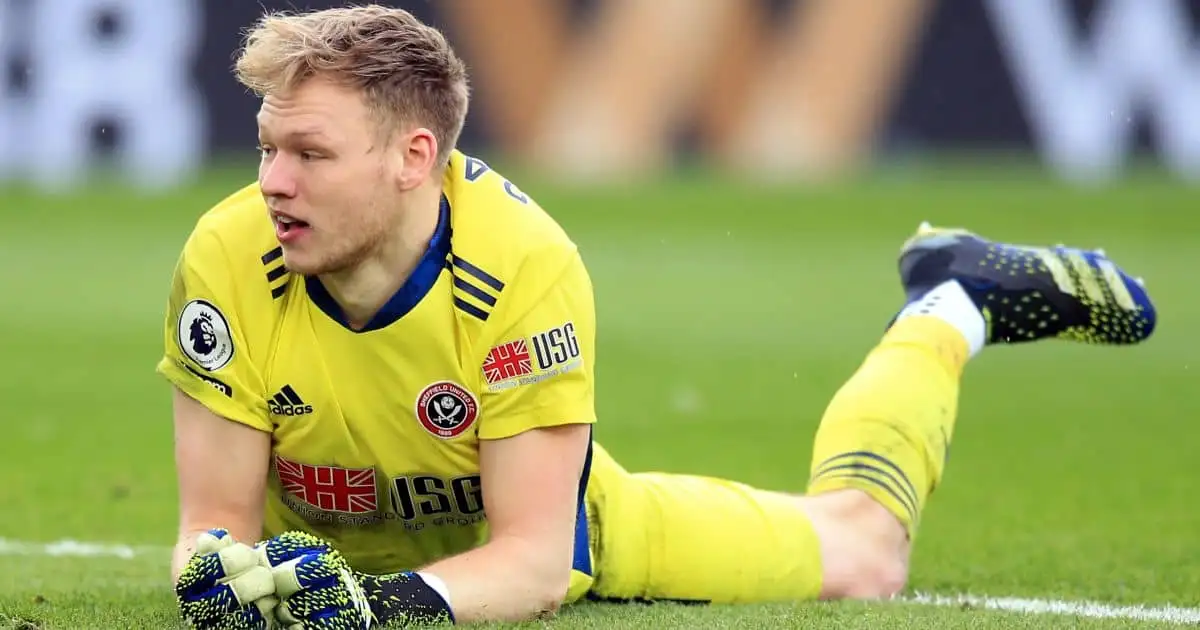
(382, 337)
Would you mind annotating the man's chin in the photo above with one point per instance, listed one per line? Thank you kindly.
(305, 265)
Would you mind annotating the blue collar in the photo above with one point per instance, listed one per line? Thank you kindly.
(418, 285)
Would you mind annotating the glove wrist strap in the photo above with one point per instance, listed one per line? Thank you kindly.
(405, 598)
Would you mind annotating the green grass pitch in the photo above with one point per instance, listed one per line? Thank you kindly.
(728, 316)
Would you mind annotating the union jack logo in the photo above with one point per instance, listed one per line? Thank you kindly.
(508, 360)
(329, 488)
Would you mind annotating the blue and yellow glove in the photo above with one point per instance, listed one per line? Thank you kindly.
(317, 589)
(225, 586)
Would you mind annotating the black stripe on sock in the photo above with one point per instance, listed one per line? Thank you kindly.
(912, 515)
(906, 484)
(881, 477)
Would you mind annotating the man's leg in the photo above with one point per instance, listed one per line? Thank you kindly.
(697, 539)
(881, 446)
(885, 436)
(685, 537)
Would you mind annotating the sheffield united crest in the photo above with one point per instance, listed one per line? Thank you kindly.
(446, 409)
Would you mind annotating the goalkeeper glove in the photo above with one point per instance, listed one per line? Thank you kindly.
(318, 589)
(224, 586)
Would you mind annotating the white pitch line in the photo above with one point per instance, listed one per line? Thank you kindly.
(76, 549)
(1094, 610)
(1089, 609)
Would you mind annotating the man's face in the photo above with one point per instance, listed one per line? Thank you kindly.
(327, 179)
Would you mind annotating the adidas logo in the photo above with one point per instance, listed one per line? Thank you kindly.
(288, 403)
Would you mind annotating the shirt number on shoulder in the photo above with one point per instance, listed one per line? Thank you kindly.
(477, 167)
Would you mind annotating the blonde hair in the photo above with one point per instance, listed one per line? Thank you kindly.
(406, 70)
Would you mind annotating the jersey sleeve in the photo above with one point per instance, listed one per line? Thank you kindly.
(540, 373)
(205, 352)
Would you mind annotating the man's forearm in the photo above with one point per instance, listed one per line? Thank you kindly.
(507, 579)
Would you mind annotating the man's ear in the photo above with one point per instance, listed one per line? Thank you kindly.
(417, 154)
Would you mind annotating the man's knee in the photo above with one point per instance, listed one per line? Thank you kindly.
(864, 548)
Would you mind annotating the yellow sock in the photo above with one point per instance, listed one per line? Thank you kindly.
(888, 429)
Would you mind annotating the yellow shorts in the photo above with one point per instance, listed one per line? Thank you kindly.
(657, 536)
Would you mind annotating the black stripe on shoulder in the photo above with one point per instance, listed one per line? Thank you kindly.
(470, 309)
(477, 273)
(272, 256)
(474, 291)
(275, 272)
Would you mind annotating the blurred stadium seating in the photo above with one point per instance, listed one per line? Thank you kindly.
(785, 88)
(727, 307)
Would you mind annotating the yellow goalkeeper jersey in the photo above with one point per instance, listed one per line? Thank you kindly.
(376, 433)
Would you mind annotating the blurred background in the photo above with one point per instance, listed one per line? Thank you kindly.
(624, 88)
(739, 174)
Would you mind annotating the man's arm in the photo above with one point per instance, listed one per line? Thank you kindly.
(222, 431)
(533, 444)
(222, 470)
(530, 488)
